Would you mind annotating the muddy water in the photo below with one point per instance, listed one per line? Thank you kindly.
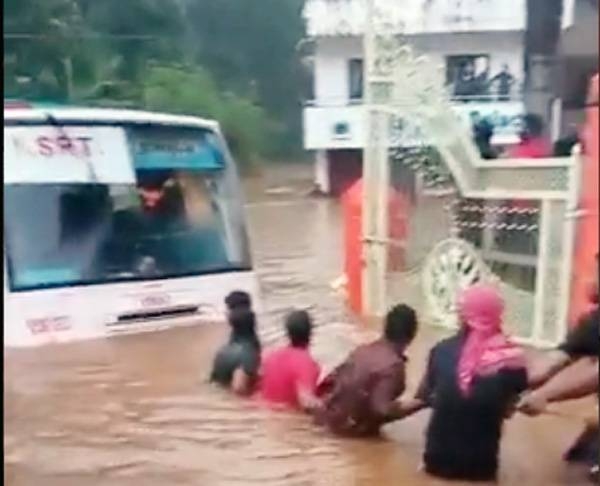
(137, 410)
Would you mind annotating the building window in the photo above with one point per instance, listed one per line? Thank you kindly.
(355, 79)
(468, 76)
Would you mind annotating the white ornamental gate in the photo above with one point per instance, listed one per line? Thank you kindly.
(490, 216)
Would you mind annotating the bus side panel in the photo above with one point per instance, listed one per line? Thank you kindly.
(73, 314)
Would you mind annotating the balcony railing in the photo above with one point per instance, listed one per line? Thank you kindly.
(336, 122)
(516, 97)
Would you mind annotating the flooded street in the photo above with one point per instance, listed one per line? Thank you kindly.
(137, 410)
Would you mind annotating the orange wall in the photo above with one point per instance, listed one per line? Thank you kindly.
(585, 267)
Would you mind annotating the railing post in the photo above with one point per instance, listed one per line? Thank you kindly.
(545, 231)
(375, 188)
(569, 225)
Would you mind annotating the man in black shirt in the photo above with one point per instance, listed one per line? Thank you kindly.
(483, 131)
(583, 342)
(237, 363)
(471, 381)
(549, 385)
(463, 435)
(582, 346)
(505, 83)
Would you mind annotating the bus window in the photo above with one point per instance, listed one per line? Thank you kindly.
(182, 217)
(172, 229)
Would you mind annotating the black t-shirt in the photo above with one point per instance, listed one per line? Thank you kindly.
(505, 80)
(234, 355)
(463, 435)
(584, 340)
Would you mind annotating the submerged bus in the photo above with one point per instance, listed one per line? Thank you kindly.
(117, 221)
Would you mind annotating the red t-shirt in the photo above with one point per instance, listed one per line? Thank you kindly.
(534, 148)
(283, 370)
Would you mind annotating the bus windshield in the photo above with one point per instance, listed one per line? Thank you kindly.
(181, 216)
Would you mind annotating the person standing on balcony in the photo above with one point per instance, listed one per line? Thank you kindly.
(533, 144)
(466, 84)
(483, 131)
(505, 82)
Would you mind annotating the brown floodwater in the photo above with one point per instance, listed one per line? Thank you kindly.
(136, 410)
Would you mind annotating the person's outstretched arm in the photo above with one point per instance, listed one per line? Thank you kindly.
(422, 398)
(548, 367)
(390, 409)
(383, 400)
(582, 341)
(411, 406)
(326, 385)
(307, 399)
(566, 386)
(306, 387)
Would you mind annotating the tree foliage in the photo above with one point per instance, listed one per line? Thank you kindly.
(194, 91)
(233, 60)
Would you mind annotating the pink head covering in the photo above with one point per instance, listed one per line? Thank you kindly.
(486, 349)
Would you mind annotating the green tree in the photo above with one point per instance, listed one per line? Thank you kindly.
(250, 47)
(193, 91)
(44, 52)
(137, 31)
(242, 67)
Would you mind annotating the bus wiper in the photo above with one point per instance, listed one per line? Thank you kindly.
(61, 130)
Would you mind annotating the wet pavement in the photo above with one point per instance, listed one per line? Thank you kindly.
(136, 410)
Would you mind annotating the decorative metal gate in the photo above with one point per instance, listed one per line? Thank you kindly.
(507, 220)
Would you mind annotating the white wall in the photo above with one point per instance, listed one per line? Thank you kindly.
(332, 55)
(320, 122)
(331, 68)
(473, 15)
(348, 17)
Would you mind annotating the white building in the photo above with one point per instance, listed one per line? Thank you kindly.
(479, 44)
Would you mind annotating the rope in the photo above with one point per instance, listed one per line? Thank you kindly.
(500, 226)
(498, 209)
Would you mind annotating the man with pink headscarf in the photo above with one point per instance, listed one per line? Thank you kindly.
(471, 382)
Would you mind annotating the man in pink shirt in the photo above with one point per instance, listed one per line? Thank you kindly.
(289, 373)
(533, 144)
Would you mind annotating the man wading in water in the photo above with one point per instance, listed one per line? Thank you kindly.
(359, 395)
(549, 385)
(289, 374)
(471, 383)
(237, 363)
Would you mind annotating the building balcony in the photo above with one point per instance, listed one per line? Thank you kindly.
(341, 124)
(347, 17)
(334, 125)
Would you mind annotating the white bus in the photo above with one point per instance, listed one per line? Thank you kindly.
(117, 221)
